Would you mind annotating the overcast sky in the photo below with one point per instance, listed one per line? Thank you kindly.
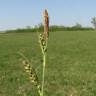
(22, 13)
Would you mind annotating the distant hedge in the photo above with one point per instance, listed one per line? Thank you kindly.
(62, 28)
(52, 29)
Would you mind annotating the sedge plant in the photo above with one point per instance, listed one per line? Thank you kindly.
(43, 40)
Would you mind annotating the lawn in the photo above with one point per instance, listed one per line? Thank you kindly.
(70, 69)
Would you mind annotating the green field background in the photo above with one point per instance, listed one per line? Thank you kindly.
(70, 69)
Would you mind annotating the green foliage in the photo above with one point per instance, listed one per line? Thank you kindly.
(53, 28)
(71, 68)
(77, 27)
(94, 22)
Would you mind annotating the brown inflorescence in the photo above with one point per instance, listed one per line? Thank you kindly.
(46, 24)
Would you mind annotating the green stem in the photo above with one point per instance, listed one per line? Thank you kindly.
(44, 64)
(43, 74)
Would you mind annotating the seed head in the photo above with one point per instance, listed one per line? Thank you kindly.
(46, 24)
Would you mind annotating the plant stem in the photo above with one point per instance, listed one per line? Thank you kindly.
(43, 74)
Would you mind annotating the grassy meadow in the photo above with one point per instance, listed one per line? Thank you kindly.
(70, 69)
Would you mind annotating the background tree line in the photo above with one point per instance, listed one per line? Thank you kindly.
(54, 28)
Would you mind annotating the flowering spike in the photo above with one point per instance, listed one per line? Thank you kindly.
(46, 24)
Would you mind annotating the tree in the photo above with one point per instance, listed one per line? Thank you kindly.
(94, 22)
(40, 25)
(28, 27)
(77, 25)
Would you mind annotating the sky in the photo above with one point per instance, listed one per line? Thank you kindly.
(22, 13)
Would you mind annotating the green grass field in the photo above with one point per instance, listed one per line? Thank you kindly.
(70, 70)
